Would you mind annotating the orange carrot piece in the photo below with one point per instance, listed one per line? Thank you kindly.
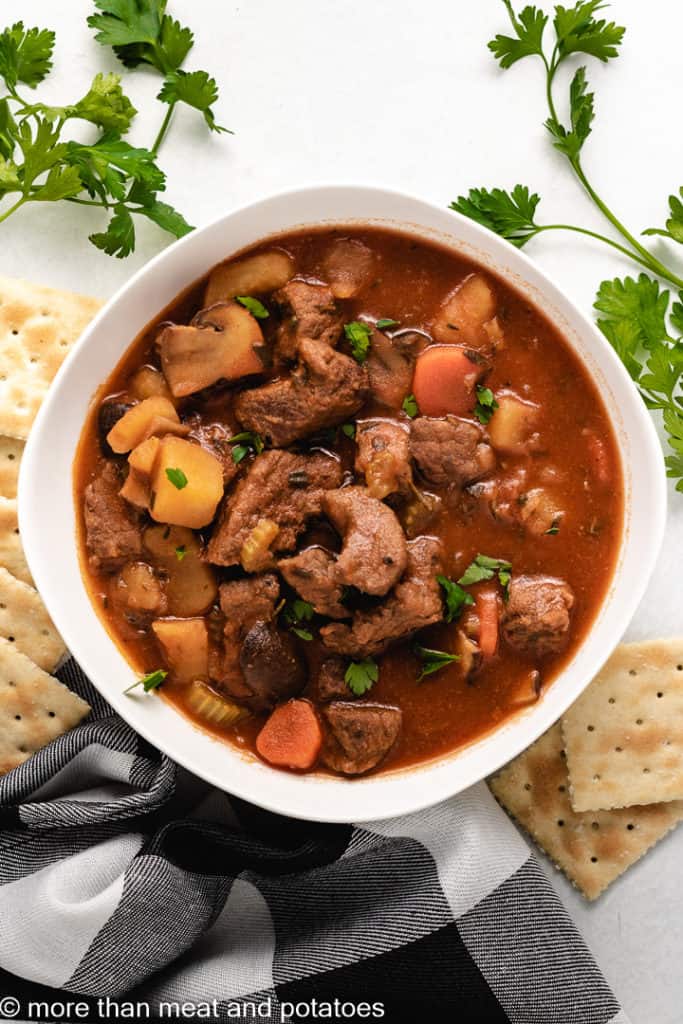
(486, 603)
(444, 381)
(292, 736)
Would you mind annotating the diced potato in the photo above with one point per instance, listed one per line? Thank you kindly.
(143, 456)
(159, 426)
(222, 343)
(348, 265)
(255, 554)
(464, 312)
(133, 426)
(512, 425)
(253, 275)
(213, 707)
(185, 644)
(494, 332)
(149, 382)
(139, 590)
(137, 490)
(539, 512)
(194, 503)
(191, 586)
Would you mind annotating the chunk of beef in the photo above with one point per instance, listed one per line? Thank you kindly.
(243, 603)
(390, 364)
(112, 526)
(280, 486)
(214, 438)
(313, 574)
(450, 450)
(414, 604)
(272, 668)
(536, 617)
(308, 311)
(383, 456)
(323, 390)
(373, 555)
(331, 681)
(359, 736)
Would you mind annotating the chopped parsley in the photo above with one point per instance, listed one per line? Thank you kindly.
(485, 568)
(180, 552)
(295, 614)
(361, 676)
(349, 430)
(358, 335)
(152, 681)
(433, 661)
(410, 406)
(455, 597)
(554, 528)
(385, 322)
(244, 443)
(486, 404)
(177, 477)
(255, 307)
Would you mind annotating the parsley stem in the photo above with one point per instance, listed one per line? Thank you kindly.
(164, 128)
(11, 210)
(600, 238)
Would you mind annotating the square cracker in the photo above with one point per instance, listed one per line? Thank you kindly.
(38, 325)
(592, 848)
(25, 622)
(34, 707)
(11, 451)
(624, 735)
(11, 549)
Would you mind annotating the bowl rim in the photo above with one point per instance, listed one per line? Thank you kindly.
(319, 797)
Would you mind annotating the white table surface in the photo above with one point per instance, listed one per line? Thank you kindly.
(406, 95)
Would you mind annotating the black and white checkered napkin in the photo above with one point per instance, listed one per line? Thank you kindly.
(123, 876)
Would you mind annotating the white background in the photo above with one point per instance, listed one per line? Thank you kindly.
(404, 94)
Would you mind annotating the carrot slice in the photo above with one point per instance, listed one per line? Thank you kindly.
(445, 380)
(292, 737)
(486, 604)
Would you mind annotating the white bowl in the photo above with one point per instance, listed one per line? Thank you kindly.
(48, 524)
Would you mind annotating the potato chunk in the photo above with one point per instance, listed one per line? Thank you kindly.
(512, 426)
(149, 382)
(222, 343)
(191, 586)
(185, 643)
(253, 275)
(134, 426)
(138, 486)
(348, 266)
(187, 484)
(464, 312)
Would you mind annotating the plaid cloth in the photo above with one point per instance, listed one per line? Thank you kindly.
(123, 877)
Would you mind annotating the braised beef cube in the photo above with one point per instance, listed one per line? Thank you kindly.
(390, 365)
(281, 487)
(272, 668)
(112, 526)
(450, 450)
(373, 554)
(359, 736)
(536, 619)
(331, 681)
(383, 457)
(414, 603)
(312, 573)
(325, 388)
(309, 311)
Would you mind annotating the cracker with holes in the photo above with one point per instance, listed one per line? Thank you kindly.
(34, 707)
(11, 451)
(25, 622)
(11, 550)
(592, 848)
(38, 325)
(624, 735)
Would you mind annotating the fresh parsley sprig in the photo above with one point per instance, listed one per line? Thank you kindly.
(245, 442)
(361, 676)
(637, 316)
(40, 163)
(432, 660)
(152, 681)
(295, 614)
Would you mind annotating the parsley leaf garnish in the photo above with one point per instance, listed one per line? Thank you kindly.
(509, 214)
(349, 430)
(152, 681)
(245, 442)
(385, 322)
(455, 597)
(432, 660)
(256, 308)
(361, 676)
(177, 477)
(674, 224)
(410, 407)
(197, 89)
(486, 404)
(25, 55)
(180, 552)
(295, 613)
(485, 568)
(358, 334)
